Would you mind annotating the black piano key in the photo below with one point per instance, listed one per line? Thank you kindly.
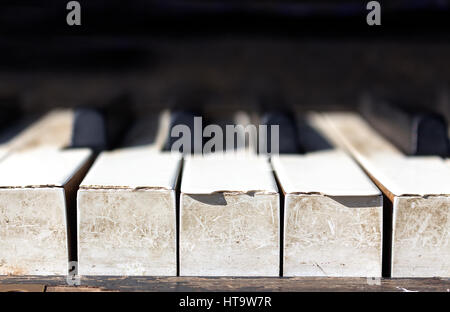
(310, 140)
(12, 118)
(10, 112)
(182, 117)
(143, 132)
(102, 128)
(288, 133)
(18, 126)
(415, 131)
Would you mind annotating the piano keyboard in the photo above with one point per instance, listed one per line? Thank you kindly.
(339, 200)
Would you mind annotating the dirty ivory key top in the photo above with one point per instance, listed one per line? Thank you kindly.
(332, 216)
(37, 190)
(127, 214)
(229, 217)
(53, 130)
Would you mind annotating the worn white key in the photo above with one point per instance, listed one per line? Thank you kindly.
(333, 216)
(127, 214)
(37, 193)
(229, 217)
(53, 130)
(418, 187)
(3, 152)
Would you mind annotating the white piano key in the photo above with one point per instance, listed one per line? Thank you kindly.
(229, 217)
(248, 121)
(127, 214)
(421, 176)
(419, 188)
(3, 152)
(333, 216)
(340, 129)
(36, 192)
(52, 130)
(330, 172)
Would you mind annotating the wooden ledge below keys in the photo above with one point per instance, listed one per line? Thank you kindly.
(229, 284)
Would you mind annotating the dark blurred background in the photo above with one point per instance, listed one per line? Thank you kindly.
(311, 54)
